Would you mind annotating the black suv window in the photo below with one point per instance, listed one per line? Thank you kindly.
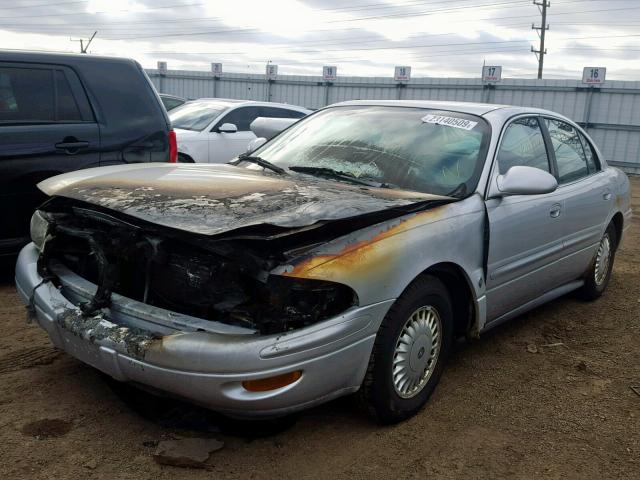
(26, 95)
(241, 117)
(523, 145)
(570, 156)
(67, 106)
(275, 112)
(41, 95)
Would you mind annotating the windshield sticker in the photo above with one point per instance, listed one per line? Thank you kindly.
(449, 121)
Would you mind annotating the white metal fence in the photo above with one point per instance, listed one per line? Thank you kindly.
(611, 113)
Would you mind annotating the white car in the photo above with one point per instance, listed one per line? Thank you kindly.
(216, 130)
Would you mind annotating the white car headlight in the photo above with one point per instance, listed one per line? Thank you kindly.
(39, 229)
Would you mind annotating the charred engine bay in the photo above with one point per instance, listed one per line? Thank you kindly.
(223, 278)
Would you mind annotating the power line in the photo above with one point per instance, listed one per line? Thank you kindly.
(124, 10)
(43, 5)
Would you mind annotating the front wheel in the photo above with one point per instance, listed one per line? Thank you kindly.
(599, 273)
(410, 351)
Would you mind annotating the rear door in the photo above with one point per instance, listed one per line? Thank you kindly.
(585, 192)
(224, 146)
(47, 127)
(526, 233)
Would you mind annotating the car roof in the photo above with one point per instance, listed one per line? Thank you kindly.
(235, 102)
(473, 108)
(56, 57)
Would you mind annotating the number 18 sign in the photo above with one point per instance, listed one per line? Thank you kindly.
(593, 75)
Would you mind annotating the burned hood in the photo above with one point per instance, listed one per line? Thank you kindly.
(213, 199)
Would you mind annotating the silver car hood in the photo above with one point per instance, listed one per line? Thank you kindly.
(213, 199)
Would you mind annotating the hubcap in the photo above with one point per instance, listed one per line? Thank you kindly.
(416, 352)
(603, 257)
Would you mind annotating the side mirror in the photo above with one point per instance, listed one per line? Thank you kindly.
(521, 180)
(227, 128)
(255, 144)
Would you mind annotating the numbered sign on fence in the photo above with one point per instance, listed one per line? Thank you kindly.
(329, 73)
(491, 74)
(272, 72)
(216, 69)
(402, 74)
(162, 67)
(593, 75)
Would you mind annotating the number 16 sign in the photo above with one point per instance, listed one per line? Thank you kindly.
(593, 75)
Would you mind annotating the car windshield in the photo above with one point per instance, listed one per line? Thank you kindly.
(431, 151)
(195, 115)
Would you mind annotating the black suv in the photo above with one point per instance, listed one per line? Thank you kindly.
(60, 113)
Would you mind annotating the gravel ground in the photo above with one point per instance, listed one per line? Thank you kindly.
(546, 396)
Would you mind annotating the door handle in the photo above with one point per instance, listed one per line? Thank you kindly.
(71, 147)
(555, 211)
(606, 196)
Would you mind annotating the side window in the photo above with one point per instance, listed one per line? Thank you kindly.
(570, 156)
(241, 117)
(592, 161)
(8, 104)
(275, 112)
(41, 95)
(295, 114)
(26, 95)
(523, 145)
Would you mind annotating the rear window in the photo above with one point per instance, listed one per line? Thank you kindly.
(171, 103)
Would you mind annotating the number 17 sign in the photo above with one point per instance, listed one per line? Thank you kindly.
(491, 74)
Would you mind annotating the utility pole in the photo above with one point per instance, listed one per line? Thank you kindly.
(83, 47)
(541, 30)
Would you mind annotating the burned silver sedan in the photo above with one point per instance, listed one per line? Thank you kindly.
(345, 254)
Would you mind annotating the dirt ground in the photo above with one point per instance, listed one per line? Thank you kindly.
(504, 409)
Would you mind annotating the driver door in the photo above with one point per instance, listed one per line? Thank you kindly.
(525, 231)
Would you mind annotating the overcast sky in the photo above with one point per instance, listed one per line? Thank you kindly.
(438, 38)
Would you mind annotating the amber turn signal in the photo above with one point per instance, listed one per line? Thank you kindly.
(271, 383)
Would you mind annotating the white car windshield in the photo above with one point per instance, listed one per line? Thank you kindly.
(431, 151)
(195, 115)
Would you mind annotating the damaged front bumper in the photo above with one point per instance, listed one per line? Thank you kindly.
(203, 361)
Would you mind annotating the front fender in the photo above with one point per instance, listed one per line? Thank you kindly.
(380, 261)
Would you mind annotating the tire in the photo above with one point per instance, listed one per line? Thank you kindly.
(597, 279)
(381, 391)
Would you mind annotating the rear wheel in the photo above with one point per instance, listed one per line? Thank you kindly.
(410, 351)
(599, 273)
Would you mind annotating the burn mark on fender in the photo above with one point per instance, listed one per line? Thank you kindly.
(360, 255)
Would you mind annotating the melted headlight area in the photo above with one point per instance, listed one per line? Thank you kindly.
(220, 281)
